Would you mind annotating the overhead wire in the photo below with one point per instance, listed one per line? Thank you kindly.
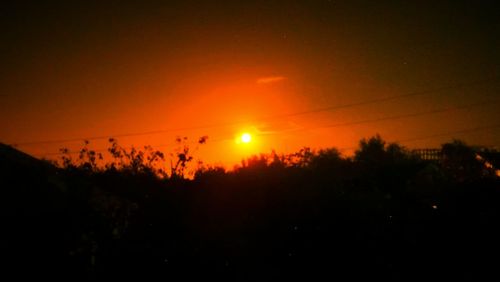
(403, 116)
(278, 116)
(394, 117)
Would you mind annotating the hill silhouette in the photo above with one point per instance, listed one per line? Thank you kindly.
(382, 214)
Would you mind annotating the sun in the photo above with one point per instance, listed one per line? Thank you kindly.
(246, 138)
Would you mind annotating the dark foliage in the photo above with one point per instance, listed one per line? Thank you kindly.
(383, 214)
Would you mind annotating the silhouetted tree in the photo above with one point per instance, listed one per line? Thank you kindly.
(280, 216)
(460, 162)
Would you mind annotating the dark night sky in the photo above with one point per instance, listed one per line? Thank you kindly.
(73, 69)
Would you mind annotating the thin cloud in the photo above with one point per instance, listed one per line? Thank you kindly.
(270, 79)
(276, 128)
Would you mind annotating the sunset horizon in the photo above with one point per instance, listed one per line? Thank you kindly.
(319, 75)
(250, 140)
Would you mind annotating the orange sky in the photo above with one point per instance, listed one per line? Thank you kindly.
(107, 70)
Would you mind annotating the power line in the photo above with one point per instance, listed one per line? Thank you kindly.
(395, 117)
(469, 130)
(444, 134)
(317, 110)
(390, 98)
(426, 137)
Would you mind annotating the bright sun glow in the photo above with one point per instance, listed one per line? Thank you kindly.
(246, 138)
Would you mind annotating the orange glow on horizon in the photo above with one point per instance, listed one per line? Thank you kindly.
(197, 97)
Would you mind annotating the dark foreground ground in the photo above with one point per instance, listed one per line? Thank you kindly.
(382, 214)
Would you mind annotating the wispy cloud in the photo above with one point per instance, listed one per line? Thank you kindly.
(270, 79)
(276, 127)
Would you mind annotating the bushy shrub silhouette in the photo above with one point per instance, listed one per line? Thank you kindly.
(381, 214)
(460, 162)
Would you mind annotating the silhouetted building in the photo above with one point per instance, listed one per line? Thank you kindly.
(431, 154)
(489, 158)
